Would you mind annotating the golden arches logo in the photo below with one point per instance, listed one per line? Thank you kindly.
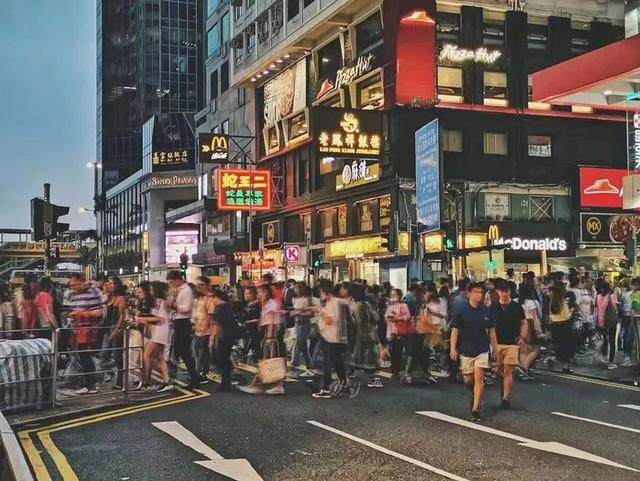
(494, 232)
(219, 143)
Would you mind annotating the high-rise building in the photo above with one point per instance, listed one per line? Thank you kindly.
(148, 63)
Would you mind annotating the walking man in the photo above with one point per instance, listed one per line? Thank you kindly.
(182, 331)
(511, 330)
(473, 331)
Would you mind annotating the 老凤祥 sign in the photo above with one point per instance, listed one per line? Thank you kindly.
(348, 133)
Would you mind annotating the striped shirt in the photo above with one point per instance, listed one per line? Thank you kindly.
(89, 300)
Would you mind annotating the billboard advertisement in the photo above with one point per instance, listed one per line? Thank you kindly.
(601, 187)
(244, 190)
(178, 243)
(428, 178)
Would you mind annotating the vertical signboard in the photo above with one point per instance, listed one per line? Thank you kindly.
(428, 178)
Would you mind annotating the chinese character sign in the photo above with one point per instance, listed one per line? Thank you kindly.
(176, 159)
(244, 190)
(428, 178)
(348, 133)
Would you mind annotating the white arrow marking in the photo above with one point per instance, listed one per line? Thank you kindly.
(629, 406)
(381, 449)
(236, 469)
(601, 423)
(551, 447)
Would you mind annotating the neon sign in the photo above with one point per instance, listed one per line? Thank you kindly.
(456, 54)
(244, 190)
(520, 244)
(348, 133)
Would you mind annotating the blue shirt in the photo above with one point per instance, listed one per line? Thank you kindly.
(472, 324)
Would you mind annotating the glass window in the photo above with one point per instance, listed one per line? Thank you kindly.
(371, 93)
(297, 126)
(537, 36)
(213, 40)
(293, 9)
(495, 87)
(327, 221)
(539, 145)
(305, 224)
(330, 164)
(330, 60)
(237, 12)
(541, 208)
(579, 40)
(302, 172)
(225, 127)
(224, 29)
(369, 34)
(241, 96)
(224, 77)
(342, 220)
(213, 80)
(493, 28)
(451, 140)
(495, 143)
(448, 27)
(365, 217)
(450, 82)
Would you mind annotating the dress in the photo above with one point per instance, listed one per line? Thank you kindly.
(364, 354)
(159, 332)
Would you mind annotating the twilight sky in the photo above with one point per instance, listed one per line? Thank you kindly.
(47, 106)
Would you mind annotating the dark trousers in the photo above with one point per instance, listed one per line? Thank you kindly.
(203, 354)
(223, 359)
(608, 342)
(182, 345)
(419, 354)
(87, 366)
(564, 339)
(333, 355)
(118, 344)
(397, 345)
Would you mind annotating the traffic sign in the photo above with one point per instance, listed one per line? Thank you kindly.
(292, 253)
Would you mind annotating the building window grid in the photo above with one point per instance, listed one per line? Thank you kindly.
(495, 143)
(541, 208)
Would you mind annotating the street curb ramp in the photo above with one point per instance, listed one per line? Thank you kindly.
(13, 464)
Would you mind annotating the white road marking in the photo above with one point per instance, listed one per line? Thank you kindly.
(635, 407)
(587, 380)
(593, 421)
(381, 449)
(236, 469)
(551, 447)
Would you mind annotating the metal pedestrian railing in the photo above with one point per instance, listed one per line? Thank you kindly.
(39, 368)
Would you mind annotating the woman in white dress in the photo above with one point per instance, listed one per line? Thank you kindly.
(157, 335)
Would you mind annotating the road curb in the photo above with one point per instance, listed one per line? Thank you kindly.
(629, 382)
(14, 465)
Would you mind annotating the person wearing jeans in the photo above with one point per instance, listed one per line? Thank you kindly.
(333, 317)
(182, 329)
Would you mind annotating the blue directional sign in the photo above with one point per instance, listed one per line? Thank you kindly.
(428, 178)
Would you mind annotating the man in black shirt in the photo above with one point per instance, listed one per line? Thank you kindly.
(473, 331)
(223, 337)
(511, 330)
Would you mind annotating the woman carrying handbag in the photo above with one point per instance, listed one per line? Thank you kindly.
(399, 329)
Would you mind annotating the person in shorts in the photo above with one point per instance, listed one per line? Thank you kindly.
(511, 330)
(472, 334)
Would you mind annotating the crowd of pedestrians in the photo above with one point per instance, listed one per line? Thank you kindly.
(336, 337)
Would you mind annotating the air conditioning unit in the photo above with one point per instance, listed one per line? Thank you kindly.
(631, 192)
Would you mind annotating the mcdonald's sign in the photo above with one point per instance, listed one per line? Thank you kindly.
(494, 232)
(214, 148)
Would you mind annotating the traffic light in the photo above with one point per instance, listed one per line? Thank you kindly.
(449, 240)
(318, 259)
(391, 242)
(56, 212)
(37, 220)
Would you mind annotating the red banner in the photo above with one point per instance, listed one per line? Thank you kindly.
(601, 187)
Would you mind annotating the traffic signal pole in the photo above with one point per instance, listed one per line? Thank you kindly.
(48, 231)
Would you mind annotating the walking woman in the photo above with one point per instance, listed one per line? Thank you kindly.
(606, 306)
(153, 300)
(432, 308)
(44, 307)
(530, 350)
(561, 326)
(399, 329)
(115, 316)
(28, 311)
(271, 327)
(364, 353)
(302, 313)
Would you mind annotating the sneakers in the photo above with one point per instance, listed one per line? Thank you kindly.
(276, 390)
(475, 416)
(599, 359)
(626, 362)
(84, 390)
(251, 389)
(307, 374)
(167, 387)
(322, 394)
(431, 379)
(375, 383)
(612, 365)
(567, 370)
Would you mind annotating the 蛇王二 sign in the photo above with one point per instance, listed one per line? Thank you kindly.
(244, 190)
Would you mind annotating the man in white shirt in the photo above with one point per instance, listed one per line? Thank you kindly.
(182, 330)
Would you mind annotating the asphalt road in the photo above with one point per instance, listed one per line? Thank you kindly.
(275, 436)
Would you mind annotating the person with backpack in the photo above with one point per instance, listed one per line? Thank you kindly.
(606, 306)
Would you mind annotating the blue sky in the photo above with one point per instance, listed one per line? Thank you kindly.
(47, 106)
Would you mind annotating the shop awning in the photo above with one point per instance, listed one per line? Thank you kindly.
(601, 79)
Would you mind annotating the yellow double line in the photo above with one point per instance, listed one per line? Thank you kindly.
(64, 468)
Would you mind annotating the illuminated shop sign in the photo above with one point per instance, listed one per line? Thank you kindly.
(348, 133)
(244, 190)
(346, 75)
(357, 173)
(175, 159)
(634, 142)
(214, 148)
(456, 54)
(166, 181)
(522, 244)
(601, 187)
(364, 247)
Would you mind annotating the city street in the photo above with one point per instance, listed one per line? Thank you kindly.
(399, 433)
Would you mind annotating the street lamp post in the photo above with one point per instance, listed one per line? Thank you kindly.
(96, 165)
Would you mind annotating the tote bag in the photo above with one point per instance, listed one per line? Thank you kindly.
(272, 370)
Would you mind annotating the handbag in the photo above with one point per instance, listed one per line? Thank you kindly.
(425, 325)
(272, 370)
(404, 328)
(610, 316)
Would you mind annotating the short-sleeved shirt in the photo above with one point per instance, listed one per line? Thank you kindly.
(472, 324)
(508, 321)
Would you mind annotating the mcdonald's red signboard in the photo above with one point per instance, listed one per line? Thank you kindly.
(244, 190)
